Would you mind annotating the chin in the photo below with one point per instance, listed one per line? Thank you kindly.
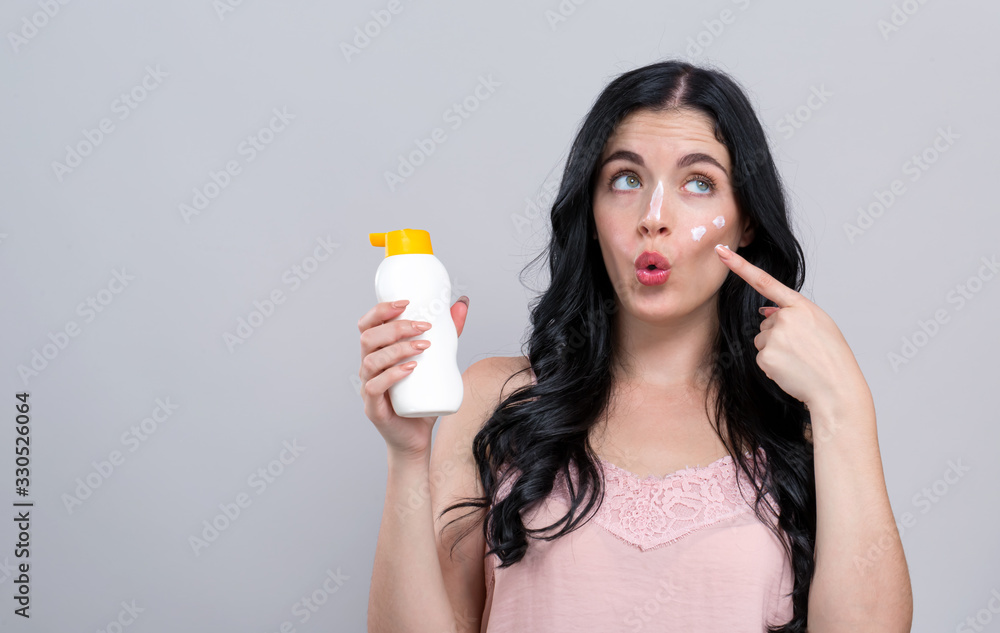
(652, 310)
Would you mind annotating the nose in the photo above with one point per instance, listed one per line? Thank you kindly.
(653, 226)
(652, 221)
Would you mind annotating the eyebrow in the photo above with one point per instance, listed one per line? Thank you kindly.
(690, 159)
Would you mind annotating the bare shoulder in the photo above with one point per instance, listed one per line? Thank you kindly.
(493, 379)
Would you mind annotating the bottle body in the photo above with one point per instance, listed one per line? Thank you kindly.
(434, 387)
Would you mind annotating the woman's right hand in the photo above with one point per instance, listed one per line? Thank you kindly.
(381, 349)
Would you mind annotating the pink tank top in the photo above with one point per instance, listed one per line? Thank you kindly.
(682, 553)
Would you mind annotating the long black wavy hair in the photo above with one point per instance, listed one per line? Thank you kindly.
(538, 429)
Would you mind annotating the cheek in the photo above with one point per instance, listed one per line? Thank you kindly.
(697, 240)
(612, 239)
(702, 271)
(697, 255)
(708, 229)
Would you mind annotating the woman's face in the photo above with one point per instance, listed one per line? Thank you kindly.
(659, 190)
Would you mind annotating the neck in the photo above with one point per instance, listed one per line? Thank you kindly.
(669, 355)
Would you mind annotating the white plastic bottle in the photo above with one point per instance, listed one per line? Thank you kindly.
(411, 271)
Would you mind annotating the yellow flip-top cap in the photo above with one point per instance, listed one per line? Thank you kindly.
(403, 242)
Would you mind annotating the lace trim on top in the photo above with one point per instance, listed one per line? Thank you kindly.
(655, 511)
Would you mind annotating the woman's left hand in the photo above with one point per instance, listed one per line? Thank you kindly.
(799, 346)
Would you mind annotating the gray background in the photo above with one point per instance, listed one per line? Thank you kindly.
(322, 177)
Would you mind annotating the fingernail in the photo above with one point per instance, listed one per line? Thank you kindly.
(464, 300)
(423, 327)
(761, 310)
(401, 303)
(723, 250)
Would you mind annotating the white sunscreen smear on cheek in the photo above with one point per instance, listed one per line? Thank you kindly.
(657, 201)
(697, 232)
(719, 222)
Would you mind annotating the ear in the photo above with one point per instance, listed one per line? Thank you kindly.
(747, 237)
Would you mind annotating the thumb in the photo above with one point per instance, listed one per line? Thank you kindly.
(459, 312)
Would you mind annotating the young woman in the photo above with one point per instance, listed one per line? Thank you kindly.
(689, 443)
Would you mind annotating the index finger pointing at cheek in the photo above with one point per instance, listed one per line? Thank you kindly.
(760, 279)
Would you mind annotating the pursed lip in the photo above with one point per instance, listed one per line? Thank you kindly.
(652, 258)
